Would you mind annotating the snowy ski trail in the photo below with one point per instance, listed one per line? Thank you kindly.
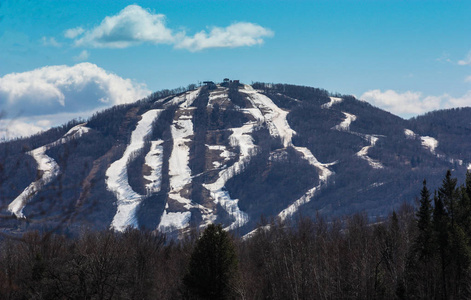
(333, 100)
(179, 169)
(345, 126)
(154, 160)
(240, 137)
(278, 125)
(274, 116)
(431, 145)
(48, 166)
(117, 175)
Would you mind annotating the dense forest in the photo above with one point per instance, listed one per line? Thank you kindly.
(415, 253)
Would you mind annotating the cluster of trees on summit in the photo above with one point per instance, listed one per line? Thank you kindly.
(415, 253)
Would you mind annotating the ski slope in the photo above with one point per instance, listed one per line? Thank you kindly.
(48, 168)
(345, 126)
(278, 125)
(117, 175)
(154, 161)
(179, 169)
(241, 137)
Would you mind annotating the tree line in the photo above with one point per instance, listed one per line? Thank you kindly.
(422, 253)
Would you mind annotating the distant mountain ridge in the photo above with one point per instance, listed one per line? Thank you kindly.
(227, 153)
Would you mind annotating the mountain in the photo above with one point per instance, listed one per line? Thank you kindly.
(230, 154)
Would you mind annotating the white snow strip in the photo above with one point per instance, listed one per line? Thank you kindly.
(241, 138)
(333, 100)
(48, 167)
(291, 98)
(278, 125)
(376, 184)
(275, 117)
(324, 174)
(184, 100)
(429, 143)
(345, 124)
(225, 154)
(174, 220)
(154, 160)
(363, 153)
(220, 95)
(117, 175)
(410, 134)
(179, 169)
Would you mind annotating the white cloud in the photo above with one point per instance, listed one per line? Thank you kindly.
(14, 128)
(56, 89)
(133, 25)
(84, 55)
(413, 103)
(466, 60)
(50, 41)
(26, 126)
(236, 35)
(73, 32)
(467, 79)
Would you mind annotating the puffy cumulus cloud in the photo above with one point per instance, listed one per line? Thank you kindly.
(466, 60)
(236, 35)
(22, 127)
(409, 103)
(135, 25)
(10, 129)
(132, 25)
(72, 33)
(55, 89)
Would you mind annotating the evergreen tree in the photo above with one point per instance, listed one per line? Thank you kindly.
(440, 226)
(213, 266)
(423, 242)
(449, 196)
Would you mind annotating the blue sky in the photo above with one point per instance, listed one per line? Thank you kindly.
(64, 59)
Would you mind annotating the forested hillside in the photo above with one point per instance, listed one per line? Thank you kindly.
(226, 153)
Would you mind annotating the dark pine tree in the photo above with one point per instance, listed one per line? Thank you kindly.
(213, 266)
(423, 243)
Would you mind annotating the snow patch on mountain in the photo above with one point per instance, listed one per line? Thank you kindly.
(345, 124)
(117, 175)
(154, 160)
(219, 97)
(430, 143)
(333, 100)
(363, 153)
(324, 175)
(179, 169)
(174, 220)
(410, 134)
(241, 138)
(224, 154)
(184, 100)
(48, 167)
(277, 123)
(275, 117)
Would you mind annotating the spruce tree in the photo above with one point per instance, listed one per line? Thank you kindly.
(449, 196)
(213, 266)
(423, 242)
